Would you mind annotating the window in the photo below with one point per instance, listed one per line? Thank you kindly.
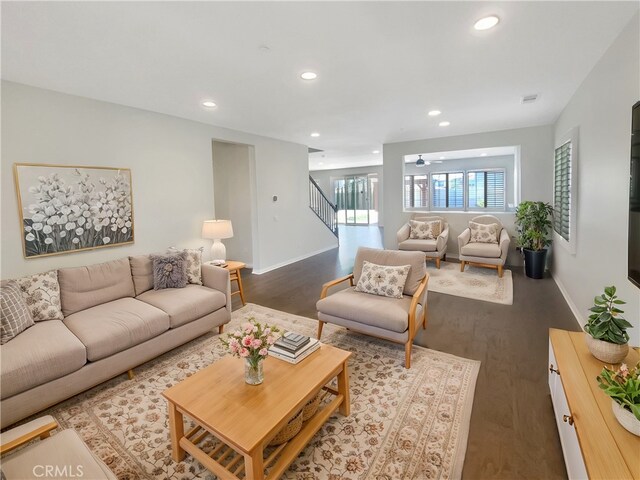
(485, 190)
(416, 191)
(447, 190)
(565, 190)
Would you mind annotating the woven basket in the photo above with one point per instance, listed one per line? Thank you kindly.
(605, 351)
(289, 431)
(310, 409)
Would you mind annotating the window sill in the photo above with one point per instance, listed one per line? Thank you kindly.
(458, 212)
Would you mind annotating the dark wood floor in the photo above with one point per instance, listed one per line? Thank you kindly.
(513, 433)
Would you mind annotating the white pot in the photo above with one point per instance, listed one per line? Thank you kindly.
(626, 418)
(606, 351)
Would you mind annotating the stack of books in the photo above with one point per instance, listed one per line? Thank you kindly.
(293, 347)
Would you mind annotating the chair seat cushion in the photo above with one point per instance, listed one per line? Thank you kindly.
(184, 305)
(115, 326)
(487, 250)
(64, 454)
(383, 312)
(416, 245)
(44, 352)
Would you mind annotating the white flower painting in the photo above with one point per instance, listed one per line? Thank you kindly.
(66, 209)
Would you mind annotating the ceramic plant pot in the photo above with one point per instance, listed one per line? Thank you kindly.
(606, 351)
(626, 418)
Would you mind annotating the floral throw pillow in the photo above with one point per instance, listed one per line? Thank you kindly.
(194, 263)
(383, 280)
(169, 271)
(15, 314)
(481, 233)
(41, 293)
(424, 230)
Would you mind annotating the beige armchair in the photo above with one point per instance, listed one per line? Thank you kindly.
(434, 249)
(490, 255)
(394, 319)
(61, 456)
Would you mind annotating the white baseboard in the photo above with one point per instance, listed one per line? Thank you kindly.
(574, 308)
(292, 260)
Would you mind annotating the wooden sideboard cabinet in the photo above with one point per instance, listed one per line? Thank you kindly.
(594, 444)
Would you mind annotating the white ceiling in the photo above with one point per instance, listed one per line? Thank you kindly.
(381, 65)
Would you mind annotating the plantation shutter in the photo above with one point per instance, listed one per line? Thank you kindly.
(494, 190)
(456, 190)
(408, 191)
(416, 191)
(562, 191)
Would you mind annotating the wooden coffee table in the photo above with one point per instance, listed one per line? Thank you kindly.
(244, 418)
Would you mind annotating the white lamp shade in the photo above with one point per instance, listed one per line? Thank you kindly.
(217, 229)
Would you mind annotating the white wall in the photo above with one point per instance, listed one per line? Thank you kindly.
(234, 193)
(172, 173)
(601, 109)
(536, 158)
(324, 179)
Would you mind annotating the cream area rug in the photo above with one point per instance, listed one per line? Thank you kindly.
(409, 424)
(475, 282)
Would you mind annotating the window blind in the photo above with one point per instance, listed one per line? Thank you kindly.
(486, 189)
(416, 191)
(448, 190)
(562, 191)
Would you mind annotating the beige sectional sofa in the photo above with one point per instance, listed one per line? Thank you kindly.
(113, 322)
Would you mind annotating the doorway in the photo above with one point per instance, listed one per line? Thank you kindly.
(353, 195)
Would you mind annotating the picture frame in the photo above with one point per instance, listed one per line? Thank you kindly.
(71, 208)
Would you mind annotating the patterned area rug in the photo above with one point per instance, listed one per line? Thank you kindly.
(475, 282)
(403, 423)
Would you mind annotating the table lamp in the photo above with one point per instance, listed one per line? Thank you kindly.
(217, 230)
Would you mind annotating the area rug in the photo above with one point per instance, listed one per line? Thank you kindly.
(475, 282)
(403, 423)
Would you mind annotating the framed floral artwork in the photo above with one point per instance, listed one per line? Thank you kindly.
(65, 208)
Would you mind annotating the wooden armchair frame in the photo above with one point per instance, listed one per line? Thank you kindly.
(412, 324)
(39, 431)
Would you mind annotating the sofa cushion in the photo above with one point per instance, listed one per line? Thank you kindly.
(142, 273)
(418, 245)
(393, 257)
(86, 287)
(41, 293)
(15, 316)
(383, 312)
(184, 305)
(43, 352)
(115, 326)
(488, 250)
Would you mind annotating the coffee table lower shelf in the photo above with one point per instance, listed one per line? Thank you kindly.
(227, 463)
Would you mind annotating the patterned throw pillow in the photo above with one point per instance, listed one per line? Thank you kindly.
(383, 280)
(194, 263)
(15, 314)
(41, 293)
(169, 271)
(481, 233)
(424, 230)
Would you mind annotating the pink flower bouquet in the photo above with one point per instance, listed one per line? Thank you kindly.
(252, 341)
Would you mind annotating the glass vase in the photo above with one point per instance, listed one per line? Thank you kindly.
(253, 373)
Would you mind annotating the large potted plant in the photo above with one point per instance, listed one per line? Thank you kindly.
(606, 330)
(533, 220)
(623, 386)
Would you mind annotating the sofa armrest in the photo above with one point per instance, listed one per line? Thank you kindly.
(217, 278)
(403, 233)
(463, 239)
(18, 436)
(442, 240)
(505, 240)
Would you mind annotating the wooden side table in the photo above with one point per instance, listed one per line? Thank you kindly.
(234, 275)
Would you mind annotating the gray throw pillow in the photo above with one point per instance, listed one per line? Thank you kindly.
(169, 271)
(15, 314)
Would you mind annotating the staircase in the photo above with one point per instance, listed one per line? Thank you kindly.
(322, 206)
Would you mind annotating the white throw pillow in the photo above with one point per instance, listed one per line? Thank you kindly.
(41, 293)
(383, 280)
(481, 233)
(428, 230)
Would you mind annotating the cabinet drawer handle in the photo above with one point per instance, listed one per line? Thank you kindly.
(553, 370)
(568, 419)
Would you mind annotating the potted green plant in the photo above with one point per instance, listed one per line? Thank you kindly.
(533, 220)
(623, 386)
(606, 329)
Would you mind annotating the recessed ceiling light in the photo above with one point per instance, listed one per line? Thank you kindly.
(320, 163)
(309, 76)
(442, 158)
(444, 124)
(486, 23)
(209, 104)
(375, 152)
(315, 134)
(434, 113)
(483, 154)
